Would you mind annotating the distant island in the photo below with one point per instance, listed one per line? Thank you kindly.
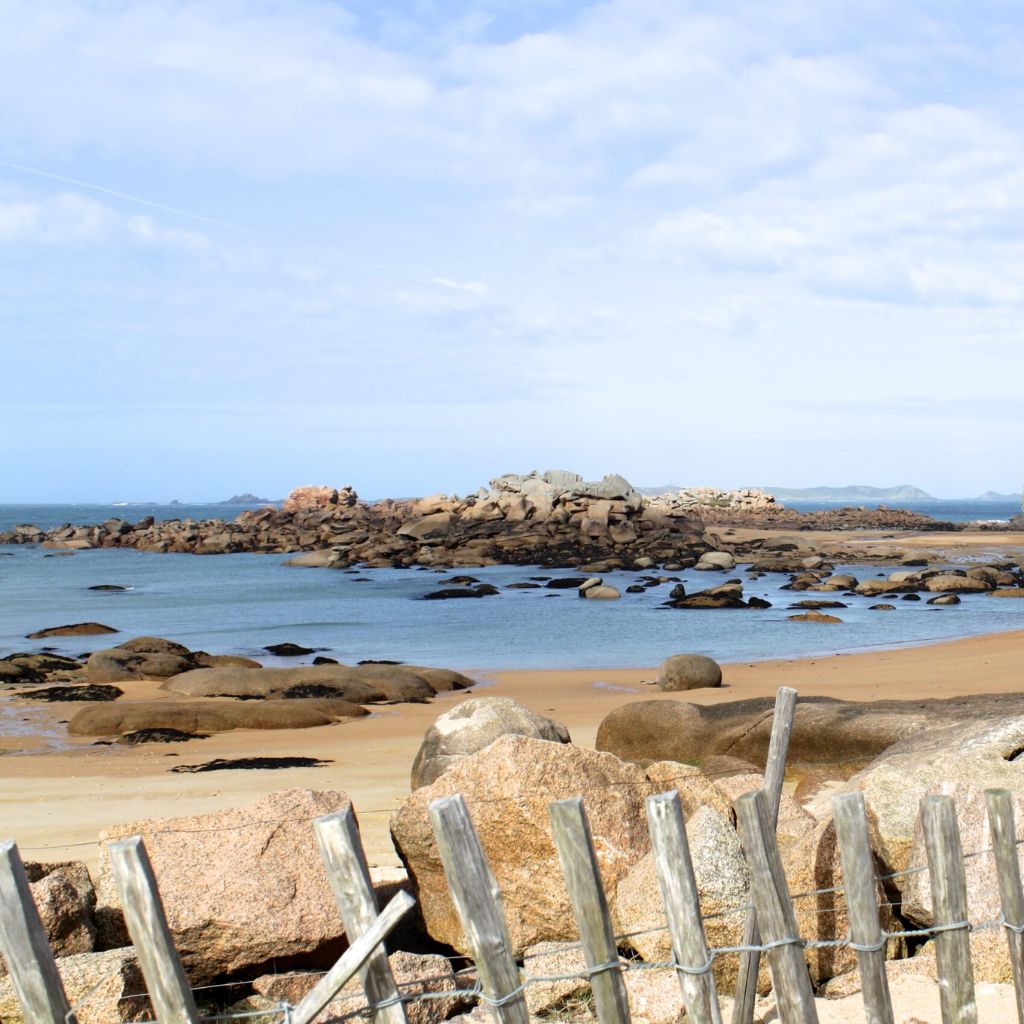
(853, 492)
(245, 499)
(996, 496)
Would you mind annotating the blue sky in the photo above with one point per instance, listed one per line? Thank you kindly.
(411, 246)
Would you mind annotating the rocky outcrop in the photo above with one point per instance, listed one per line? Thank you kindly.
(240, 887)
(508, 787)
(473, 725)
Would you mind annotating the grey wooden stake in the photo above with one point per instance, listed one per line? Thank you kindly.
(477, 901)
(26, 948)
(575, 846)
(949, 903)
(860, 886)
(168, 988)
(1003, 825)
(352, 959)
(682, 907)
(342, 853)
(790, 978)
(774, 776)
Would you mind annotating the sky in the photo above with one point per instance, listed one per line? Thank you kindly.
(249, 245)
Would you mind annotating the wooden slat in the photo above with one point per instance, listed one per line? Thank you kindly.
(26, 948)
(949, 902)
(777, 919)
(477, 901)
(575, 845)
(1003, 825)
(342, 851)
(168, 988)
(351, 960)
(682, 907)
(861, 886)
(774, 776)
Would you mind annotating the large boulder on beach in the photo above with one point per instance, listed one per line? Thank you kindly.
(723, 886)
(201, 717)
(972, 745)
(982, 880)
(241, 887)
(472, 725)
(364, 684)
(508, 787)
(824, 730)
(142, 658)
(689, 672)
(104, 988)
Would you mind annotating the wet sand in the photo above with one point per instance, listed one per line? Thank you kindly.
(55, 803)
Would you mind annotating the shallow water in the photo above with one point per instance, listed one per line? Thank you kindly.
(240, 603)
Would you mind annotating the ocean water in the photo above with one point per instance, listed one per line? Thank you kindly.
(240, 603)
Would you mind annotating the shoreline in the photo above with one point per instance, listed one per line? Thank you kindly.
(55, 804)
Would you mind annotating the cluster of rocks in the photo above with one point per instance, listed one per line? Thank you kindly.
(892, 751)
(553, 519)
(248, 904)
(700, 499)
(210, 693)
(231, 925)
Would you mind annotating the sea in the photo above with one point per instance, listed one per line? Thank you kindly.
(240, 603)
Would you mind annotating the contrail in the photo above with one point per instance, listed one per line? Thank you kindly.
(122, 195)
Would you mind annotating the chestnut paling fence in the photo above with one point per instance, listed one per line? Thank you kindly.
(502, 984)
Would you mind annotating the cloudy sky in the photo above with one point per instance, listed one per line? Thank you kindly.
(408, 246)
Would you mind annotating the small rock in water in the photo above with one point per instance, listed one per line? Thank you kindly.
(112, 588)
(484, 590)
(289, 650)
(75, 629)
(219, 764)
(321, 660)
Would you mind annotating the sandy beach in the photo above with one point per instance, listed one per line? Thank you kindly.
(54, 804)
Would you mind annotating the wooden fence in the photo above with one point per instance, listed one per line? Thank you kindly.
(771, 929)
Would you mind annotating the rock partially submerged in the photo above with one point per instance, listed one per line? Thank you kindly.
(75, 629)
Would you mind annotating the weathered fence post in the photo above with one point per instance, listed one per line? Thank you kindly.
(342, 853)
(682, 908)
(949, 903)
(776, 917)
(774, 776)
(860, 886)
(1003, 825)
(26, 948)
(575, 846)
(477, 900)
(352, 959)
(168, 988)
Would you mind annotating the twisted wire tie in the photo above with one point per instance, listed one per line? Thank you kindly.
(1017, 929)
